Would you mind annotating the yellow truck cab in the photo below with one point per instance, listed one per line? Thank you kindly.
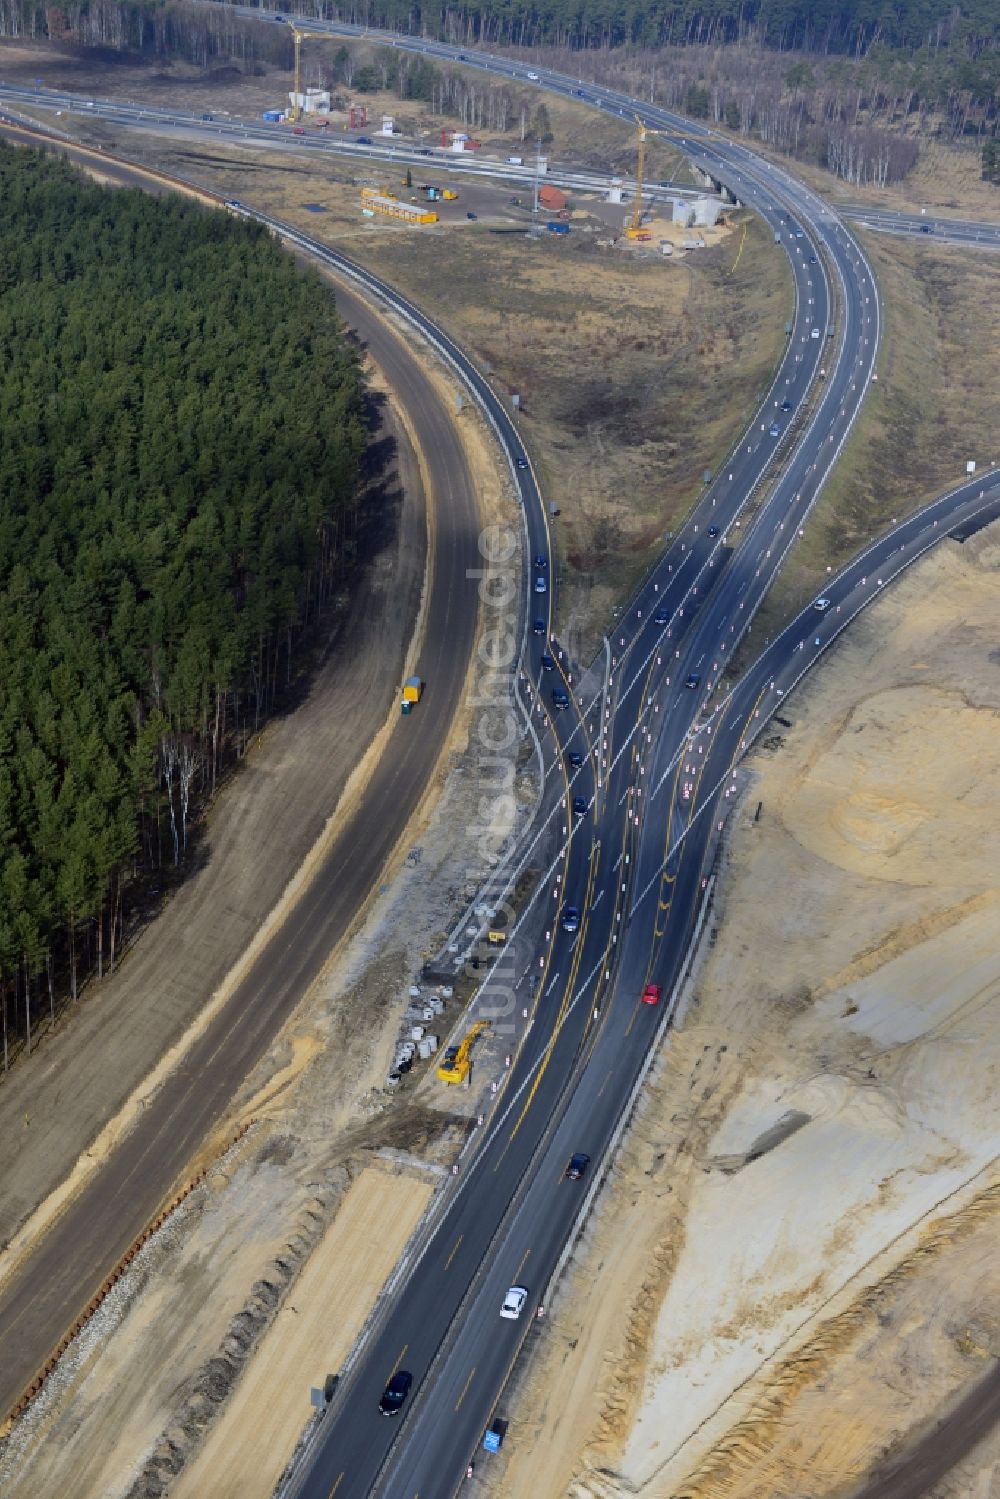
(413, 689)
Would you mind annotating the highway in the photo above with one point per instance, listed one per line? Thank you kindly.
(54, 1282)
(239, 131)
(659, 748)
(973, 233)
(636, 866)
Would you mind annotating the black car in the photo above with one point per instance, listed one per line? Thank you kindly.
(570, 919)
(577, 1166)
(786, 405)
(547, 663)
(713, 530)
(578, 92)
(693, 680)
(521, 462)
(395, 1393)
(538, 628)
(579, 806)
(661, 617)
(560, 699)
(575, 759)
(541, 563)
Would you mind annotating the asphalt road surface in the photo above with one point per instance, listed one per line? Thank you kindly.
(945, 1444)
(209, 127)
(67, 1267)
(634, 868)
(660, 746)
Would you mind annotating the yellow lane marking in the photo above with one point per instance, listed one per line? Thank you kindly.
(465, 1387)
(402, 1355)
(595, 859)
(451, 1256)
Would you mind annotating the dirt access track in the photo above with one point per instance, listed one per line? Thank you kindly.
(142, 1073)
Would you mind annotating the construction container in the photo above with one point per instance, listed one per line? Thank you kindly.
(374, 202)
(555, 228)
(427, 1047)
(272, 116)
(412, 689)
(551, 197)
(417, 1033)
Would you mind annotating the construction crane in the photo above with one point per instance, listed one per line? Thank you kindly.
(456, 1063)
(298, 33)
(635, 230)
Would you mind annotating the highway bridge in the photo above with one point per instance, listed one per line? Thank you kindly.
(190, 125)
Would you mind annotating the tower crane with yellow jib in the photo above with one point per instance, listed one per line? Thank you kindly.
(455, 1065)
(634, 229)
(298, 34)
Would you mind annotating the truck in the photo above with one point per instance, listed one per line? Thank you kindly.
(413, 689)
(495, 1433)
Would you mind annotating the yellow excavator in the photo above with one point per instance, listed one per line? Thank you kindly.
(454, 1066)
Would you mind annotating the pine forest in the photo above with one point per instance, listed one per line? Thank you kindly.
(182, 437)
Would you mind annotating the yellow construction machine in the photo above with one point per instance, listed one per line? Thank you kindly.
(635, 229)
(298, 35)
(456, 1063)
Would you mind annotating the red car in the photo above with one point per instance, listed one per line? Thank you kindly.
(651, 994)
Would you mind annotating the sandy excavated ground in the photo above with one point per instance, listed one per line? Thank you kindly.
(246, 1453)
(773, 1327)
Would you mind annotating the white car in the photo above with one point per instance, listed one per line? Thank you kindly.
(513, 1303)
(822, 605)
(533, 77)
